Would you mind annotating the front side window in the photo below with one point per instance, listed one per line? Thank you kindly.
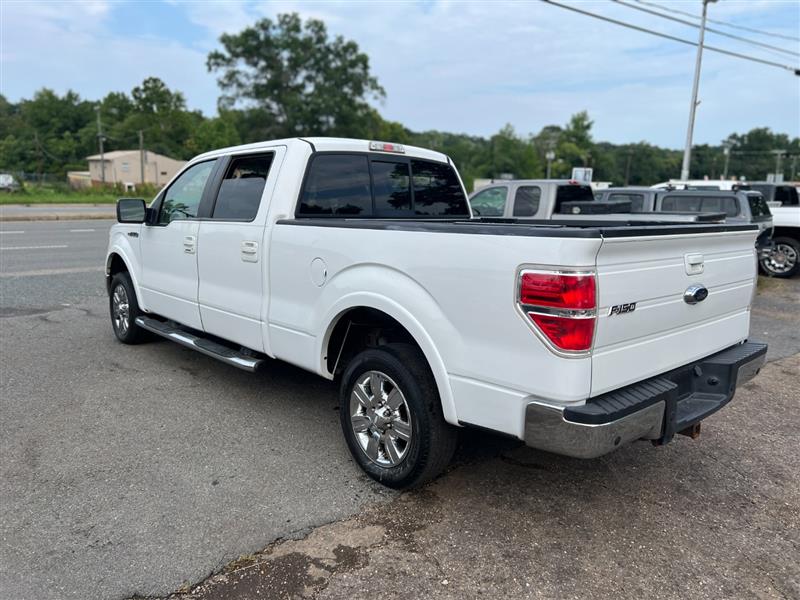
(526, 200)
(391, 186)
(240, 193)
(337, 184)
(636, 200)
(490, 202)
(437, 191)
(182, 198)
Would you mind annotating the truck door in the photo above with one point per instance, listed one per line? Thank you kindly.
(232, 256)
(169, 248)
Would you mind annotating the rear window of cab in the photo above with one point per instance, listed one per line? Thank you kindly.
(380, 186)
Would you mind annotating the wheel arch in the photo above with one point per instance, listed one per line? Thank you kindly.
(371, 312)
(116, 262)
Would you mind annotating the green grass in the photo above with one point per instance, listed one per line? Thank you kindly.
(62, 194)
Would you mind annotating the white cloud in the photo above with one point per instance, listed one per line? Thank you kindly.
(456, 66)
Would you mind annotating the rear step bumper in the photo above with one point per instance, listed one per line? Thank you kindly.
(195, 342)
(655, 409)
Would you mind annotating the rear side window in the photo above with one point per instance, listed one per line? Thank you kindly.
(573, 193)
(240, 193)
(681, 203)
(726, 204)
(758, 206)
(636, 200)
(437, 191)
(337, 184)
(526, 200)
(490, 202)
(391, 186)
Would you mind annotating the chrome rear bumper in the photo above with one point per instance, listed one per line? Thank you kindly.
(655, 409)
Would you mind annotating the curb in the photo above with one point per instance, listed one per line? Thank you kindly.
(57, 217)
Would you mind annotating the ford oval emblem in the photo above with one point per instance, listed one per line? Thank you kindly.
(695, 293)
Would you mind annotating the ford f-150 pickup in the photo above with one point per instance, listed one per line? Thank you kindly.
(362, 262)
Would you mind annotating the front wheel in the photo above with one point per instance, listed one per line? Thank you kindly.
(391, 416)
(783, 260)
(124, 309)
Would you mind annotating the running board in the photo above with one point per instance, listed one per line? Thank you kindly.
(201, 344)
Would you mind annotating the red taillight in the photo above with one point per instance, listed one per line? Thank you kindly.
(562, 306)
(566, 333)
(558, 290)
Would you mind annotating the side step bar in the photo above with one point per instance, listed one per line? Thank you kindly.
(201, 344)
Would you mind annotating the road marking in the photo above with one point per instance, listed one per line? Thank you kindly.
(33, 247)
(42, 272)
(81, 230)
(10, 232)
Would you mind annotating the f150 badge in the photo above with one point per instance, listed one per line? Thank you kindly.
(621, 309)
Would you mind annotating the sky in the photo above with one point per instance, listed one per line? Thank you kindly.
(465, 67)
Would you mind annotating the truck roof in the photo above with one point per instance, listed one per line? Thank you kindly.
(328, 144)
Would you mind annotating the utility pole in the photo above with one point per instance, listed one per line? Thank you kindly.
(778, 171)
(687, 151)
(141, 154)
(628, 167)
(100, 140)
(794, 166)
(726, 150)
(549, 157)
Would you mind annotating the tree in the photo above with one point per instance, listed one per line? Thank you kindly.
(295, 80)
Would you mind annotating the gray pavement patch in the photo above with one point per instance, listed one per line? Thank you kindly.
(717, 517)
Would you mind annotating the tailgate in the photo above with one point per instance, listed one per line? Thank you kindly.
(663, 331)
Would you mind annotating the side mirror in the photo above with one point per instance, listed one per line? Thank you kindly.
(131, 210)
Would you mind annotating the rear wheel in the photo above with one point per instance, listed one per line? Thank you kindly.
(124, 309)
(784, 258)
(392, 418)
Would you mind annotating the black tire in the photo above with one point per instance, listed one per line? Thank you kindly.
(432, 440)
(789, 251)
(131, 333)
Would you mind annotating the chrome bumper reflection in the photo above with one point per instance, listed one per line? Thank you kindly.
(546, 429)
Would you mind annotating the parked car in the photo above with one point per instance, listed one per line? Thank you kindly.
(784, 199)
(8, 183)
(360, 261)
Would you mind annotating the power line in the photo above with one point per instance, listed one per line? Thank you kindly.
(742, 27)
(717, 31)
(770, 63)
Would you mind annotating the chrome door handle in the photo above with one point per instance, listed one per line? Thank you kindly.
(189, 244)
(249, 251)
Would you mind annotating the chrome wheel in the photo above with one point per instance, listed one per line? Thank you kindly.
(120, 310)
(781, 259)
(380, 419)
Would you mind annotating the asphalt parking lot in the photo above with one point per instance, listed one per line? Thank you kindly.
(139, 471)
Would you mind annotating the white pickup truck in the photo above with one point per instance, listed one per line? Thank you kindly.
(360, 261)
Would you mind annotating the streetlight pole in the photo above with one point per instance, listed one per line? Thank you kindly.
(549, 156)
(687, 151)
(778, 171)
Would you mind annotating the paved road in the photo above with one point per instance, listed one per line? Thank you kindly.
(133, 469)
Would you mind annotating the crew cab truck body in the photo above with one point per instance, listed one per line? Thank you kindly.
(359, 261)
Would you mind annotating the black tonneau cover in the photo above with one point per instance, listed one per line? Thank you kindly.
(523, 227)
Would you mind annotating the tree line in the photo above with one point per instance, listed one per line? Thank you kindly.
(285, 78)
